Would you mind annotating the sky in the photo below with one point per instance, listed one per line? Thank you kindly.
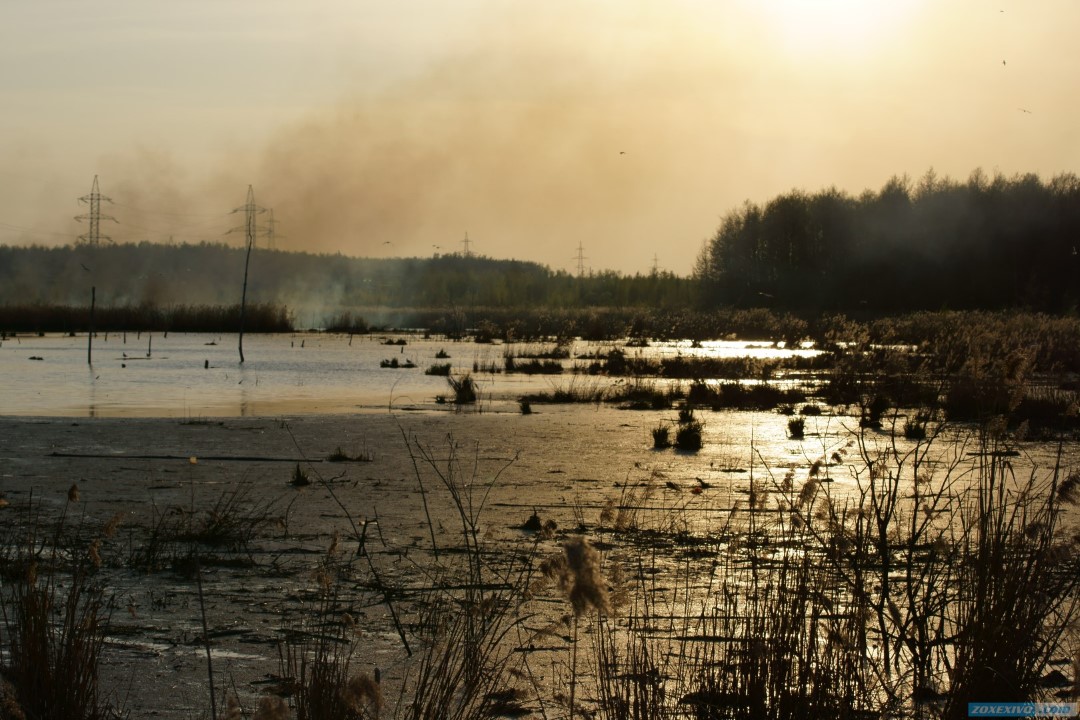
(625, 128)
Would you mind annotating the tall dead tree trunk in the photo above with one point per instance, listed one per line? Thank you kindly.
(249, 239)
(90, 335)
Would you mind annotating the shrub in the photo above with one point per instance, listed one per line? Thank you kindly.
(299, 477)
(796, 428)
(661, 436)
(616, 362)
(464, 388)
(688, 436)
(915, 428)
(441, 370)
(644, 396)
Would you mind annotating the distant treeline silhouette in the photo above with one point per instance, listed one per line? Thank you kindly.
(987, 243)
(145, 273)
(262, 318)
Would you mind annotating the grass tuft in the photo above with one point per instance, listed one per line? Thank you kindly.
(464, 388)
(796, 428)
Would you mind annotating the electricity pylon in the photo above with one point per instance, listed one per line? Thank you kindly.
(271, 230)
(580, 257)
(93, 236)
(466, 242)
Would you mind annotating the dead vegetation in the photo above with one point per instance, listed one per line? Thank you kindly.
(943, 574)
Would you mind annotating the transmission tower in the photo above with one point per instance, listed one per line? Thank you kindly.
(271, 230)
(465, 243)
(580, 260)
(250, 228)
(93, 236)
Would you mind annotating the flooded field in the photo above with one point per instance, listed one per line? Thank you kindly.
(315, 508)
(191, 375)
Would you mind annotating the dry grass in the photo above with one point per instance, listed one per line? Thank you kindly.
(938, 578)
(54, 622)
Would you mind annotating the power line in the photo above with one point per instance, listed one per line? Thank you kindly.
(94, 236)
(32, 231)
(144, 211)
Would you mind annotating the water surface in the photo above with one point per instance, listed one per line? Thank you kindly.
(195, 375)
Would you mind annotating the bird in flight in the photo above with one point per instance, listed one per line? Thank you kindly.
(84, 267)
(1024, 110)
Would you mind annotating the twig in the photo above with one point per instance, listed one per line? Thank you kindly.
(206, 638)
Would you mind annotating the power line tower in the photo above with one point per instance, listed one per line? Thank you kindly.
(271, 230)
(93, 236)
(655, 264)
(580, 257)
(250, 227)
(465, 243)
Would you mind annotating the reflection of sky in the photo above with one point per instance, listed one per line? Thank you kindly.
(727, 349)
(147, 376)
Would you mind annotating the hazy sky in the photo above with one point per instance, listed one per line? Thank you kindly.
(628, 126)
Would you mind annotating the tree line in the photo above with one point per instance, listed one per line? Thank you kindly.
(988, 243)
(145, 273)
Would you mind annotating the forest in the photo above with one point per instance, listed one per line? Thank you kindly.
(990, 243)
(145, 273)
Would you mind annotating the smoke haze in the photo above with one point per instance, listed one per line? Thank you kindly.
(630, 128)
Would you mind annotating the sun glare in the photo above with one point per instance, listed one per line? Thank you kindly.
(833, 26)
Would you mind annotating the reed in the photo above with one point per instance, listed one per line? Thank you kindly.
(464, 387)
(54, 624)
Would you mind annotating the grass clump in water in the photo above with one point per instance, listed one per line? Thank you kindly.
(688, 431)
(796, 428)
(339, 455)
(464, 388)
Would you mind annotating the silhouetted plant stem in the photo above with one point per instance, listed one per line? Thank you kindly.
(423, 494)
(206, 638)
(90, 334)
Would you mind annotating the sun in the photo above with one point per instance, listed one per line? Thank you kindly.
(834, 26)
